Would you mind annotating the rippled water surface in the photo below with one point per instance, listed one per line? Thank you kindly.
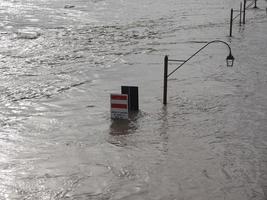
(61, 59)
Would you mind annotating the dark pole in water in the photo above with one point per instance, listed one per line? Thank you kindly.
(244, 12)
(165, 80)
(231, 22)
(255, 5)
(240, 20)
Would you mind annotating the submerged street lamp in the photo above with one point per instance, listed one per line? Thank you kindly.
(229, 61)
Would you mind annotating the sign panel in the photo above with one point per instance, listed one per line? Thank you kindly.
(119, 106)
(132, 92)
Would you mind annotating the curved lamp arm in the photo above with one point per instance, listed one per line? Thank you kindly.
(229, 57)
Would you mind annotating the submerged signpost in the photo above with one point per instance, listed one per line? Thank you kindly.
(122, 104)
(119, 106)
(132, 92)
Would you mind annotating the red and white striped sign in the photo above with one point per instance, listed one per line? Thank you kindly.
(119, 106)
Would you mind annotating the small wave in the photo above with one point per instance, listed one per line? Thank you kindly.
(72, 86)
(69, 6)
(28, 34)
(197, 42)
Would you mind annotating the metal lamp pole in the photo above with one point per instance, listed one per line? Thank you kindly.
(229, 59)
(166, 60)
(255, 4)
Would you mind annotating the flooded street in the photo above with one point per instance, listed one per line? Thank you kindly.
(61, 59)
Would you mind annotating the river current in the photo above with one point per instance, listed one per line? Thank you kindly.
(60, 60)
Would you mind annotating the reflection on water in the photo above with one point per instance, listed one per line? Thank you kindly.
(163, 129)
(124, 127)
(121, 128)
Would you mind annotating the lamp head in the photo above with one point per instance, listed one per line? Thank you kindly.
(230, 60)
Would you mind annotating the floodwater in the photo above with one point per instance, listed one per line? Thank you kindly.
(61, 59)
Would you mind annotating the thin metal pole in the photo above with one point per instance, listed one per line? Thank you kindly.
(240, 20)
(255, 5)
(231, 22)
(165, 80)
(244, 12)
